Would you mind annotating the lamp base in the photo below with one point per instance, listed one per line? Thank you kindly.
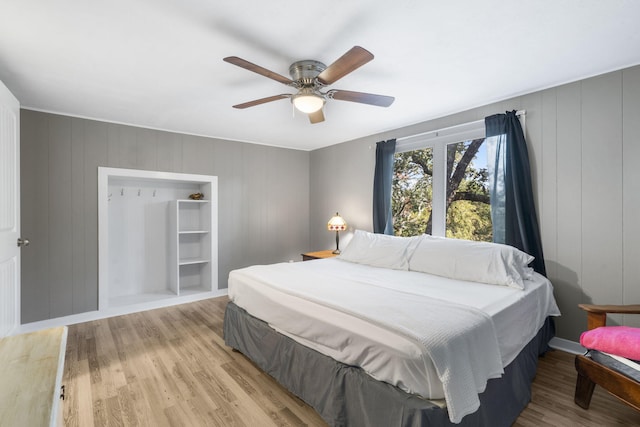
(337, 251)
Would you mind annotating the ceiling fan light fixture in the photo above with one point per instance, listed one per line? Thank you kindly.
(308, 102)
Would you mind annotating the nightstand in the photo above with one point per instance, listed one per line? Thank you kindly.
(317, 255)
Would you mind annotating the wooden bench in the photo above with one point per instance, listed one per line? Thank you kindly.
(591, 372)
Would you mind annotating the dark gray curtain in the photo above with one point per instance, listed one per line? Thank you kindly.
(382, 183)
(513, 211)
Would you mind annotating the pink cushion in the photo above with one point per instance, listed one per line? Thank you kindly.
(619, 340)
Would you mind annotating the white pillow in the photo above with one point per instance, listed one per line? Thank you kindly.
(380, 250)
(483, 262)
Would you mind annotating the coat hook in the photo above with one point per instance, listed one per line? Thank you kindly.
(154, 193)
(122, 191)
(138, 192)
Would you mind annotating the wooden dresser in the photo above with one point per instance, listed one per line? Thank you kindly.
(31, 367)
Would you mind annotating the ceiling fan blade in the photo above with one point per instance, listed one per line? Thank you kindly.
(261, 101)
(363, 98)
(316, 117)
(258, 69)
(350, 61)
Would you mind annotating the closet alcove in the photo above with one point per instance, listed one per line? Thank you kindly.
(157, 247)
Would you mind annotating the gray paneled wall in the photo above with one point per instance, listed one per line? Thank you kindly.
(584, 141)
(263, 201)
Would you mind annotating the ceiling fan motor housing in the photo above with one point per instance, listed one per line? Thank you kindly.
(305, 72)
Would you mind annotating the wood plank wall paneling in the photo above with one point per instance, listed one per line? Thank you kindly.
(169, 152)
(60, 224)
(533, 134)
(585, 150)
(569, 203)
(228, 162)
(263, 200)
(122, 151)
(549, 203)
(252, 220)
(96, 154)
(631, 188)
(602, 189)
(197, 154)
(78, 247)
(146, 149)
(34, 183)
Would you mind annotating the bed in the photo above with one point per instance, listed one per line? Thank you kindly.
(398, 331)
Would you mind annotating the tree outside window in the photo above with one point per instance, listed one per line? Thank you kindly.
(468, 210)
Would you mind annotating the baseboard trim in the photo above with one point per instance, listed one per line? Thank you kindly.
(566, 345)
(113, 311)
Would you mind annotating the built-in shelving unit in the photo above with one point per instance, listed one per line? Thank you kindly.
(191, 228)
(157, 246)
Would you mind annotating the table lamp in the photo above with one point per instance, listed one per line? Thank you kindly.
(337, 224)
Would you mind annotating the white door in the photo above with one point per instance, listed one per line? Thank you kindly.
(9, 212)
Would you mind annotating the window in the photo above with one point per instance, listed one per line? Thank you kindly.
(441, 184)
(467, 196)
(412, 193)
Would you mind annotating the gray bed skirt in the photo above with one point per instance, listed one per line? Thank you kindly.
(345, 395)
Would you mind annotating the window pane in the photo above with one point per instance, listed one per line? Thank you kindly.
(467, 204)
(412, 192)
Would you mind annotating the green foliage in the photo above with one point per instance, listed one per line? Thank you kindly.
(412, 192)
(468, 208)
(469, 220)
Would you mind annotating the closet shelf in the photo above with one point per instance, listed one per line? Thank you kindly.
(192, 201)
(191, 261)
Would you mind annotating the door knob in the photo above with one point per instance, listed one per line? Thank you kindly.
(23, 242)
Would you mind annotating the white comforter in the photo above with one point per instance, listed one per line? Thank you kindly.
(434, 327)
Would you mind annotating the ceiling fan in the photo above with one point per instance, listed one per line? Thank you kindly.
(310, 77)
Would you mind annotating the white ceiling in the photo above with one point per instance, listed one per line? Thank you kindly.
(158, 63)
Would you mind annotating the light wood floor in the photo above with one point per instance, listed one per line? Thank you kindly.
(170, 367)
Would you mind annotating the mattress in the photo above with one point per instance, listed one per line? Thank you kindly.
(385, 355)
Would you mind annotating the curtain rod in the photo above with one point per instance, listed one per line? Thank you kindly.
(518, 114)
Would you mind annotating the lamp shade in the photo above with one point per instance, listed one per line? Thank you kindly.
(336, 223)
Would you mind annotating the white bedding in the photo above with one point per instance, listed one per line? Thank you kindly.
(305, 302)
